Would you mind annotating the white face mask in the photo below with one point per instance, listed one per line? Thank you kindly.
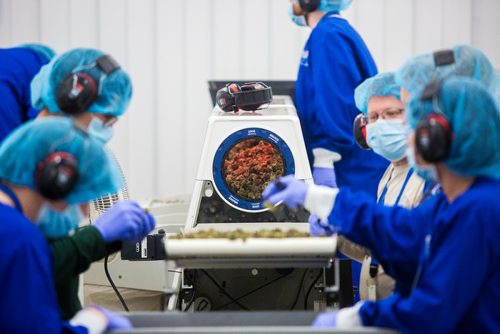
(98, 130)
(388, 138)
(55, 224)
(298, 20)
(428, 173)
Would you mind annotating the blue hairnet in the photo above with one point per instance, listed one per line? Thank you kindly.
(334, 5)
(469, 62)
(495, 89)
(42, 50)
(30, 144)
(382, 84)
(114, 93)
(475, 123)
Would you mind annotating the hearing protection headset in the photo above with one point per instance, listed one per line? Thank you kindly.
(56, 175)
(433, 134)
(441, 58)
(250, 96)
(77, 91)
(309, 6)
(359, 129)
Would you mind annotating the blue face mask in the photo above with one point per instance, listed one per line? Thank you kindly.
(298, 20)
(428, 173)
(388, 138)
(55, 224)
(98, 130)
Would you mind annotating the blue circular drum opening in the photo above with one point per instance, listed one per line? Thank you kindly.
(245, 163)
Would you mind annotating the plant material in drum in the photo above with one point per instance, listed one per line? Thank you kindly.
(250, 165)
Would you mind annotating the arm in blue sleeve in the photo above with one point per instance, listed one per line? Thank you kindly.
(459, 259)
(394, 235)
(335, 77)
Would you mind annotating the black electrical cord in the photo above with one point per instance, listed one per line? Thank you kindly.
(311, 287)
(113, 284)
(223, 290)
(254, 290)
(298, 290)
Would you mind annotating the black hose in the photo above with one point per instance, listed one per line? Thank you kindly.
(113, 284)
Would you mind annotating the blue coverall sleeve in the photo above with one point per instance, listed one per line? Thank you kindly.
(29, 112)
(394, 235)
(335, 77)
(460, 255)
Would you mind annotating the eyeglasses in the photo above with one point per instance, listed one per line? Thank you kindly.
(385, 114)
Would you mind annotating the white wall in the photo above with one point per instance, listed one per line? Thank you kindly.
(171, 48)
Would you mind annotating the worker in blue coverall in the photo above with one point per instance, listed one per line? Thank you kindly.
(111, 83)
(335, 60)
(74, 254)
(18, 66)
(444, 254)
(50, 169)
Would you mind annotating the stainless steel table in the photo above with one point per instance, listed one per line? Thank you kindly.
(232, 322)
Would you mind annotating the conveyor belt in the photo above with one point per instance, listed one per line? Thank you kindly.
(251, 253)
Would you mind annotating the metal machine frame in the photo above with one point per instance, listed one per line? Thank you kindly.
(243, 265)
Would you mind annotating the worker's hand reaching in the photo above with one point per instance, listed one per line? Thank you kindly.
(115, 321)
(125, 221)
(325, 177)
(288, 190)
(97, 319)
(318, 228)
(325, 320)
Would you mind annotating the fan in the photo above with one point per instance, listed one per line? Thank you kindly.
(100, 205)
(170, 215)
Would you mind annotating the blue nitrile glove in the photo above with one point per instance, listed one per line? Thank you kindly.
(326, 319)
(325, 177)
(287, 189)
(125, 221)
(317, 228)
(115, 321)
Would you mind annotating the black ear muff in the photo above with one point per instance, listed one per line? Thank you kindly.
(433, 138)
(79, 90)
(56, 175)
(250, 96)
(433, 134)
(359, 129)
(225, 97)
(309, 6)
(76, 93)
